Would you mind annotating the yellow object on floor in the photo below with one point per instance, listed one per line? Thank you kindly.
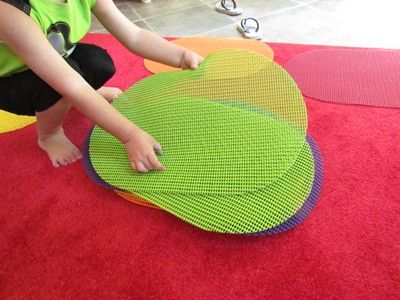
(206, 45)
(10, 122)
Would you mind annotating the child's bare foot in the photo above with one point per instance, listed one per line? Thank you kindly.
(60, 149)
(110, 93)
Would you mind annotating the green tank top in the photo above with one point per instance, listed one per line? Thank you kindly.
(64, 24)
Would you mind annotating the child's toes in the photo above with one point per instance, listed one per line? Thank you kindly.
(55, 163)
(63, 161)
(77, 154)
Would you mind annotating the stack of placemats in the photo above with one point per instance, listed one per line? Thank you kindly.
(236, 153)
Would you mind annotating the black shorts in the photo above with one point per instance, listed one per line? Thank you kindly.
(25, 93)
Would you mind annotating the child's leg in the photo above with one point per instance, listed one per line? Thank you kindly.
(25, 93)
(35, 97)
(97, 67)
(51, 137)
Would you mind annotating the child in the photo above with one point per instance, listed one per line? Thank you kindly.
(44, 71)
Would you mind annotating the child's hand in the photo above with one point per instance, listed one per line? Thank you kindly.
(190, 60)
(142, 149)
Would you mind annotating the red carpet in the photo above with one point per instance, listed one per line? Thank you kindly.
(63, 237)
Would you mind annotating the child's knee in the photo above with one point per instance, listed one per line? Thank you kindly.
(101, 69)
(107, 68)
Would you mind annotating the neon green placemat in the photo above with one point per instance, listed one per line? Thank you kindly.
(283, 198)
(208, 147)
(229, 74)
(246, 213)
(233, 132)
(252, 212)
(237, 74)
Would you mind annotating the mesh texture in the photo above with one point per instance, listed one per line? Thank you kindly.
(225, 98)
(312, 198)
(246, 213)
(229, 74)
(291, 222)
(208, 148)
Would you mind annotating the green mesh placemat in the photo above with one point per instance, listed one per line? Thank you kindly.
(169, 105)
(246, 213)
(275, 214)
(262, 210)
(159, 105)
(208, 148)
(228, 74)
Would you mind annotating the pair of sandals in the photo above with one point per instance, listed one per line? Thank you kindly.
(249, 27)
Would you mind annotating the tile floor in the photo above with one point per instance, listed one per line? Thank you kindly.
(364, 23)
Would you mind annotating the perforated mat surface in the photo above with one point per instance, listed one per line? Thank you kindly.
(206, 45)
(300, 215)
(231, 74)
(230, 166)
(367, 77)
(232, 137)
(208, 148)
(312, 198)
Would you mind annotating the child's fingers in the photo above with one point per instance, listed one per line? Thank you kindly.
(55, 163)
(140, 167)
(154, 162)
(192, 63)
(146, 163)
(158, 149)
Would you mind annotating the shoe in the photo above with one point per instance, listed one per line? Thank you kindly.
(228, 7)
(250, 28)
(145, 1)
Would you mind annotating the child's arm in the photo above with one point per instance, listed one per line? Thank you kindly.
(144, 43)
(25, 38)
